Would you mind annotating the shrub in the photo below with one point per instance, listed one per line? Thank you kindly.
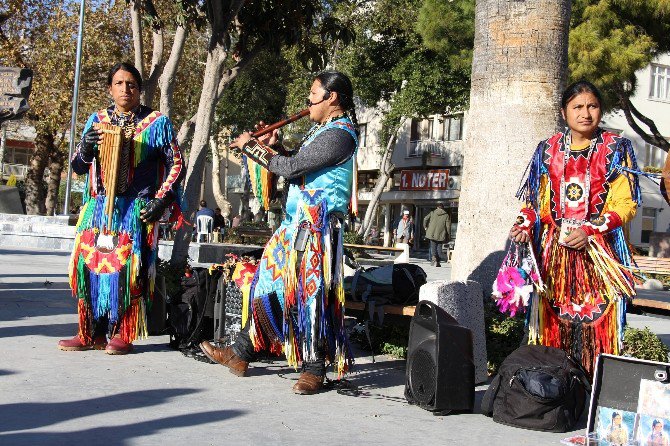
(644, 344)
(503, 335)
(388, 339)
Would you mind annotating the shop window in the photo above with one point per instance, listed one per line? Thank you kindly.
(16, 155)
(363, 135)
(453, 128)
(654, 156)
(660, 82)
(648, 223)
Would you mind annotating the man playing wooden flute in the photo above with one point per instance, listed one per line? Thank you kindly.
(113, 264)
(296, 303)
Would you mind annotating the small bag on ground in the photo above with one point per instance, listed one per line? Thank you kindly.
(539, 388)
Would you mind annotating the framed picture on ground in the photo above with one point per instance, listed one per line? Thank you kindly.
(654, 398)
(615, 426)
(652, 431)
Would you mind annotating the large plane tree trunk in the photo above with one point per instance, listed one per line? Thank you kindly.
(518, 74)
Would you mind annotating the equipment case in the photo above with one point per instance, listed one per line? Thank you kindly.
(616, 383)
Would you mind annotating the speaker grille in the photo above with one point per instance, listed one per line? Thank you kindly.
(422, 377)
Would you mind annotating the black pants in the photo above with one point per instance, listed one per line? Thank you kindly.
(244, 348)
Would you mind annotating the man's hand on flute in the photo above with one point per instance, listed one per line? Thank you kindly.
(268, 139)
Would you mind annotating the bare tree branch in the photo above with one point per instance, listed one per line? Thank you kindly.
(632, 113)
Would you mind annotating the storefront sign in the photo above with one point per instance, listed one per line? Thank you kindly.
(424, 179)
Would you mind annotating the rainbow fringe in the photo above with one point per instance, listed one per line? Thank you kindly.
(122, 296)
(262, 181)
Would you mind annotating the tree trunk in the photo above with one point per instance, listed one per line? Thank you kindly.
(156, 67)
(136, 27)
(385, 171)
(35, 187)
(170, 70)
(221, 200)
(216, 55)
(55, 170)
(518, 74)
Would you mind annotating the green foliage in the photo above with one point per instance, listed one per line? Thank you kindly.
(257, 94)
(503, 335)
(388, 340)
(644, 344)
(612, 39)
(447, 28)
(353, 238)
(390, 62)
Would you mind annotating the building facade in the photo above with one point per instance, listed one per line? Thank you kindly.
(652, 99)
(427, 163)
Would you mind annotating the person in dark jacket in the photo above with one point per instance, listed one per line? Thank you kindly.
(437, 225)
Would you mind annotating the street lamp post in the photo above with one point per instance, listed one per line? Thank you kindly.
(75, 102)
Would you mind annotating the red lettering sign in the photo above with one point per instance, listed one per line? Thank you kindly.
(424, 179)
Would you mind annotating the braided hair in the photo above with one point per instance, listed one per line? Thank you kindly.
(335, 81)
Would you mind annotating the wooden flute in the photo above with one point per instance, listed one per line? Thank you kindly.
(279, 124)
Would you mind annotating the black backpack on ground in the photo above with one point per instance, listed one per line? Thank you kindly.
(396, 284)
(190, 313)
(539, 388)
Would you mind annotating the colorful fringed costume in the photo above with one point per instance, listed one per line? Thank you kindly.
(113, 264)
(579, 303)
(296, 303)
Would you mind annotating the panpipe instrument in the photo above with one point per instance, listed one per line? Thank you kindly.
(109, 154)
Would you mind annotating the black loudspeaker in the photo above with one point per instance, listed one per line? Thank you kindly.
(440, 375)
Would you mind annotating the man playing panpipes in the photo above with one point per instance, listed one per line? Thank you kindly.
(113, 264)
(296, 303)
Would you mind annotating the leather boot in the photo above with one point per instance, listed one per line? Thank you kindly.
(76, 345)
(225, 356)
(437, 262)
(117, 346)
(308, 384)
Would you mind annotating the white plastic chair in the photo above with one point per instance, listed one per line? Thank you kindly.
(204, 225)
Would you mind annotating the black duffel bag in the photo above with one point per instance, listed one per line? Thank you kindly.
(539, 388)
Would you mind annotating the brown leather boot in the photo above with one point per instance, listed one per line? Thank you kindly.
(225, 356)
(308, 384)
(76, 345)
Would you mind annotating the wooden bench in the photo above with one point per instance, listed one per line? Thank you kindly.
(652, 265)
(399, 310)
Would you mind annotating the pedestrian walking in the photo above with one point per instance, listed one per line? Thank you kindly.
(437, 225)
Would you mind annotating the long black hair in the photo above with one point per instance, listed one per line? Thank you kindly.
(578, 88)
(335, 81)
(124, 66)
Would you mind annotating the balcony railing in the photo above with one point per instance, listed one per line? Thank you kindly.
(18, 170)
(443, 149)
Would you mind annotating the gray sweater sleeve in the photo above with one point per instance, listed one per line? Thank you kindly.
(331, 147)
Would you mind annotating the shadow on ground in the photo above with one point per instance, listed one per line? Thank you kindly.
(22, 416)
(32, 252)
(118, 435)
(57, 330)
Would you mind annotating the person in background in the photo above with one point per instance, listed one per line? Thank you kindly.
(437, 225)
(204, 210)
(219, 220)
(236, 221)
(404, 231)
